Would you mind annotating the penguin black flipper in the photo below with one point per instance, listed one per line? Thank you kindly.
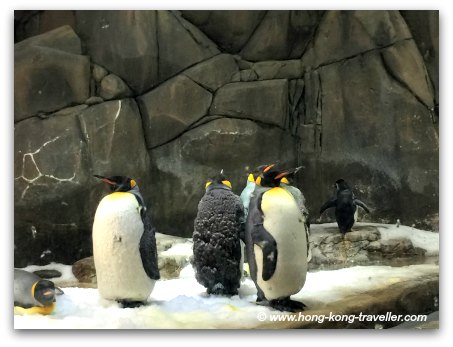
(362, 205)
(147, 247)
(263, 239)
(328, 204)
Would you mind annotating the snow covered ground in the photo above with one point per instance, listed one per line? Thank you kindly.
(182, 303)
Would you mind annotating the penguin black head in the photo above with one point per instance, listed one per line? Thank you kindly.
(44, 292)
(118, 183)
(341, 184)
(272, 177)
(219, 180)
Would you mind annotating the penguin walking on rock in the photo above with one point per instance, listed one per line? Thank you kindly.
(32, 294)
(276, 242)
(218, 229)
(345, 204)
(124, 244)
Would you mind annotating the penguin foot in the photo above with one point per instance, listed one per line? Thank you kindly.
(130, 304)
(287, 305)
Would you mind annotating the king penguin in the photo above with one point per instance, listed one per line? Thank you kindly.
(247, 192)
(218, 229)
(124, 244)
(287, 184)
(32, 294)
(276, 242)
(345, 205)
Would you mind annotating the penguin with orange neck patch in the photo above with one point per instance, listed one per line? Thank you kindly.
(32, 294)
(124, 244)
(276, 242)
(218, 229)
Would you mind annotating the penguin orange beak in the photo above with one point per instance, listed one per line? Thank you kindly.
(281, 175)
(105, 179)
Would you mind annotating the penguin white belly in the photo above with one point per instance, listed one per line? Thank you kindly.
(284, 221)
(117, 230)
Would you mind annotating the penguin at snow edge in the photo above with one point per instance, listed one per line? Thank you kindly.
(218, 230)
(287, 184)
(124, 244)
(32, 294)
(345, 205)
(276, 242)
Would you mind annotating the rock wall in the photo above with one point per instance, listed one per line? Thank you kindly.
(172, 97)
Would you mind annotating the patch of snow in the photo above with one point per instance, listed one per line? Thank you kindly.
(66, 272)
(420, 238)
(183, 303)
(179, 249)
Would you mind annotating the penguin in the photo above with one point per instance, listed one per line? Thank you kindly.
(32, 294)
(286, 183)
(345, 205)
(276, 242)
(124, 244)
(218, 230)
(246, 192)
(250, 186)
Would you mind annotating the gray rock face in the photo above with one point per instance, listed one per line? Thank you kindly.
(351, 94)
(124, 42)
(213, 73)
(373, 29)
(55, 159)
(263, 101)
(46, 80)
(63, 39)
(164, 120)
(229, 29)
(180, 44)
(50, 170)
(281, 35)
(424, 27)
(392, 163)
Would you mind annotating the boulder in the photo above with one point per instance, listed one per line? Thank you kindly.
(84, 270)
(28, 23)
(372, 30)
(46, 80)
(213, 73)
(424, 27)
(365, 245)
(283, 69)
(404, 62)
(202, 152)
(51, 168)
(63, 39)
(181, 44)
(123, 42)
(228, 29)
(113, 87)
(281, 35)
(98, 72)
(115, 141)
(48, 273)
(171, 108)
(262, 101)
